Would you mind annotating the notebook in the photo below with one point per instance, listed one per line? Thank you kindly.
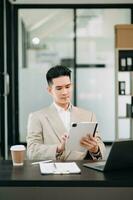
(59, 168)
(120, 157)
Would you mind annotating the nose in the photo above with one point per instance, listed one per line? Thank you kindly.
(64, 90)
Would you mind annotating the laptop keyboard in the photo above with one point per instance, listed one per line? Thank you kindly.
(100, 166)
(96, 165)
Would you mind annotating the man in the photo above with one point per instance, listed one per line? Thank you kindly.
(48, 129)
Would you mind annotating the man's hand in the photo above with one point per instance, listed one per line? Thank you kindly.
(90, 143)
(61, 146)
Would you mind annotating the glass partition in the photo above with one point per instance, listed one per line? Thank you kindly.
(45, 40)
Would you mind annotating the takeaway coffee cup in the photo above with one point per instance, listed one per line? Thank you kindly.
(17, 153)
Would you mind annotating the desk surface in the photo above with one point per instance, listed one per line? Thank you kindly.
(29, 175)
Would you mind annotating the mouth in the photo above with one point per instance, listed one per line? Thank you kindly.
(65, 97)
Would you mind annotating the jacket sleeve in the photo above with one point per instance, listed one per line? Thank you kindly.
(36, 148)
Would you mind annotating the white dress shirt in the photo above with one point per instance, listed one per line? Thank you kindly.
(64, 115)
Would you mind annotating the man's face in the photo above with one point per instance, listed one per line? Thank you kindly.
(61, 90)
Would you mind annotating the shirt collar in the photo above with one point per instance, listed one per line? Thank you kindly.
(59, 109)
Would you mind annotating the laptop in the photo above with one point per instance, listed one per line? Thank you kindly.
(120, 157)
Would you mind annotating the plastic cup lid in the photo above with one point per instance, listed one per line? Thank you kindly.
(17, 148)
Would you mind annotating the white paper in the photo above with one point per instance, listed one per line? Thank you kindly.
(59, 168)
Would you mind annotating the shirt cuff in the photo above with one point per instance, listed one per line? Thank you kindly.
(97, 154)
(58, 155)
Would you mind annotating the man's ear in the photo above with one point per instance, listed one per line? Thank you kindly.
(49, 89)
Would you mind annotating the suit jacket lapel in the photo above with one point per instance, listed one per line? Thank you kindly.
(55, 121)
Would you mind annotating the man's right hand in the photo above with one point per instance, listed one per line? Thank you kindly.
(61, 146)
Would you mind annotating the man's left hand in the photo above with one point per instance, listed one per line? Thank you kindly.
(90, 143)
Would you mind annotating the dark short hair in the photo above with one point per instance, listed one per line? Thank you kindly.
(56, 72)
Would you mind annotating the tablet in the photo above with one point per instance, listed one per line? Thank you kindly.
(79, 130)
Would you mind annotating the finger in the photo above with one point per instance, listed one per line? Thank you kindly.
(66, 135)
(89, 147)
(91, 142)
(86, 145)
(83, 138)
(61, 147)
(63, 140)
(88, 142)
(94, 139)
(90, 136)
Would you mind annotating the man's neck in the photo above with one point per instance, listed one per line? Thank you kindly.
(64, 106)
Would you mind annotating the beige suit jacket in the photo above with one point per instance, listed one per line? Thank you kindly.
(45, 129)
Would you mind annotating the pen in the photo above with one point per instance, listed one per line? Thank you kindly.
(55, 165)
(45, 161)
(95, 130)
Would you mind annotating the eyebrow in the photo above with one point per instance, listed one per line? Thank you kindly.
(58, 86)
